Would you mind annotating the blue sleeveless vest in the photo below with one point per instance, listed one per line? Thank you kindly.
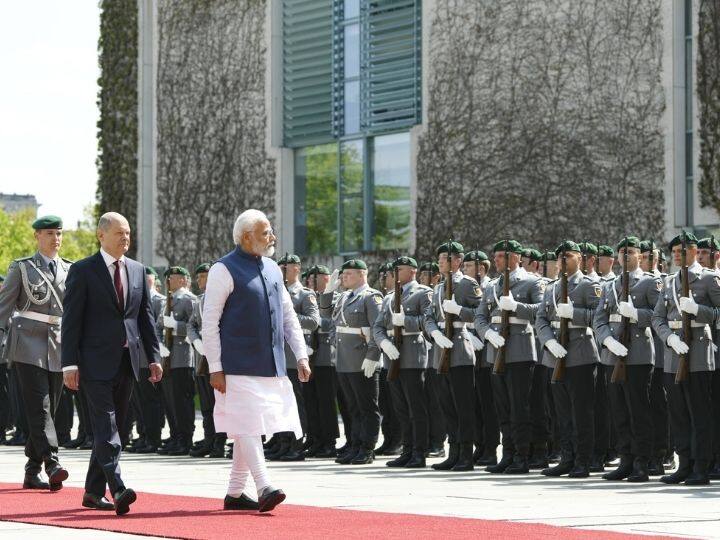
(251, 327)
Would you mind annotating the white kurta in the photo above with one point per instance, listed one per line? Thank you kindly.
(251, 405)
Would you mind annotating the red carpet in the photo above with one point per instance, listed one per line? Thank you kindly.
(197, 517)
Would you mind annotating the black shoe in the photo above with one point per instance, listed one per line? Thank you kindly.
(624, 470)
(347, 457)
(400, 461)
(435, 451)
(488, 458)
(363, 457)
(538, 461)
(272, 441)
(149, 449)
(501, 466)
(200, 451)
(243, 502)
(564, 467)
(123, 500)
(96, 503)
(63, 439)
(640, 471)
(579, 471)
(683, 472)
(167, 448)
(313, 449)
(295, 454)
(87, 444)
(697, 479)
(270, 498)
(56, 476)
(450, 461)
(75, 443)
(282, 449)
(33, 481)
(656, 467)
(554, 457)
(343, 449)
(179, 450)
(309, 443)
(518, 466)
(326, 452)
(597, 464)
(390, 450)
(417, 461)
(218, 449)
(465, 459)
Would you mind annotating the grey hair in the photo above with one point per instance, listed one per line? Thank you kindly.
(245, 222)
(108, 218)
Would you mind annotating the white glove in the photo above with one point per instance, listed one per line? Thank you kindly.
(440, 340)
(565, 311)
(557, 350)
(199, 347)
(309, 350)
(614, 346)
(677, 344)
(369, 367)
(688, 305)
(389, 349)
(495, 339)
(477, 343)
(169, 322)
(333, 282)
(508, 303)
(164, 352)
(451, 306)
(627, 309)
(398, 319)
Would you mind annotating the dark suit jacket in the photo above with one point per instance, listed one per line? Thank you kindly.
(93, 327)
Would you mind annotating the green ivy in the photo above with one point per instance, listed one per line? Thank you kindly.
(708, 92)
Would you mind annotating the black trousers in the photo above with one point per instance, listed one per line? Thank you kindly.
(540, 438)
(511, 393)
(166, 387)
(409, 402)
(658, 413)
(457, 400)
(40, 391)
(299, 398)
(4, 401)
(150, 398)
(487, 430)
(630, 405)
(207, 405)
(17, 408)
(690, 411)
(604, 440)
(84, 425)
(183, 398)
(552, 416)
(716, 413)
(361, 393)
(574, 399)
(438, 431)
(64, 415)
(390, 424)
(108, 403)
(136, 410)
(319, 393)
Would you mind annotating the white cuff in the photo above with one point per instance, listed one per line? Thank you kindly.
(69, 368)
(214, 367)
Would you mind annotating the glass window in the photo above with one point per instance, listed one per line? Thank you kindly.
(352, 9)
(352, 107)
(351, 55)
(391, 191)
(352, 207)
(316, 209)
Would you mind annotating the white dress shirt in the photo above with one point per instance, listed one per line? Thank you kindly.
(110, 263)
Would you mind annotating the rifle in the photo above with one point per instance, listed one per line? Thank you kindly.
(583, 253)
(563, 335)
(284, 269)
(683, 367)
(449, 317)
(394, 370)
(545, 266)
(651, 257)
(168, 337)
(499, 365)
(712, 264)
(619, 371)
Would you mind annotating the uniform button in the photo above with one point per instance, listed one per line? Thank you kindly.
(272, 311)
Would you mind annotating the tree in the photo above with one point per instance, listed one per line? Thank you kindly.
(708, 93)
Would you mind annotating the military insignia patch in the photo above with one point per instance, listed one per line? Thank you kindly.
(598, 291)
(659, 284)
(313, 299)
(543, 285)
(478, 291)
(378, 300)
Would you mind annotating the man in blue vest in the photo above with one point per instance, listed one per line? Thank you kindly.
(248, 316)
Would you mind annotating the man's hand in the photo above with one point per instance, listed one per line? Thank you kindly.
(441, 340)
(677, 344)
(333, 282)
(615, 347)
(71, 378)
(477, 343)
(304, 372)
(217, 381)
(398, 319)
(451, 306)
(389, 349)
(688, 305)
(169, 322)
(627, 309)
(156, 373)
(508, 303)
(565, 310)
(495, 339)
(557, 350)
(369, 367)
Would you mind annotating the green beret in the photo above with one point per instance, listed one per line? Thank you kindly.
(532, 254)
(647, 245)
(150, 271)
(704, 243)
(690, 239)
(47, 222)
(319, 269)
(289, 259)
(204, 267)
(452, 247)
(177, 271)
(478, 255)
(587, 248)
(431, 267)
(567, 245)
(385, 268)
(629, 241)
(605, 251)
(354, 264)
(304, 275)
(549, 256)
(405, 261)
(513, 246)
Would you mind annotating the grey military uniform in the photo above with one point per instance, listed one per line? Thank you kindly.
(415, 300)
(527, 290)
(584, 293)
(467, 293)
(644, 290)
(308, 314)
(35, 335)
(667, 318)
(156, 304)
(325, 355)
(194, 329)
(183, 304)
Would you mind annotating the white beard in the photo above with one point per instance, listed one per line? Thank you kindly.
(269, 252)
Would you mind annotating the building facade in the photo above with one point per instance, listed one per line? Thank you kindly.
(13, 202)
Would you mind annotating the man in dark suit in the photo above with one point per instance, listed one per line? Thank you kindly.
(107, 319)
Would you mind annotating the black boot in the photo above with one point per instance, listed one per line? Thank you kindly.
(281, 449)
(202, 449)
(683, 471)
(597, 464)
(518, 466)
(451, 460)
(401, 460)
(656, 467)
(295, 453)
(417, 461)
(435, 451)
(624, 470)
(563, 467)
(640, 471)
(699, 476)
(363, 457)
(465, 459)
(580, 470)
(326, 451)
(714, 472)
(346, 457)
(489, 457)
(538, 460)
(75, 443)
(505, 462)
(218, 447)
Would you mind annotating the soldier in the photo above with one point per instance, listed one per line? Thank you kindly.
(358, 357)
(4, 394)
(179, 357)
(412, 355)
(456, 388)
(573, 396)
(549, 273)
(589, 254)
(212, 444)
(606, 261)
(629, 396)
(35, 287)
(689, 400)
(511, 389)
(549, 265)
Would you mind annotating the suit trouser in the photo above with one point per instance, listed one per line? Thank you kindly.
(574, 400)
(630, 405)
(17, 408)
(659, 413)
(409, 403)
(40, 391)
(64, 415)
(183, 394)
(438, 432)
(108, 403)
(539, 419)
(361, 393)
(168, 402)
(320, 392)
(690, 411)
(390, 425)
(511, 393)
(457, 399)
(4, 401)
(604, 430)
(152, 410)
(206, 394)
(487, 421)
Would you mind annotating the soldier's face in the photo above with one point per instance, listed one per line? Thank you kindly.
(552, 269)
(424, 278)
(322, 281)
(499, 260)
(352, 279)
(201, 279)
(176, 281)
(292, 271)
(690, 254)
(572, 261)
(469, 268)
(406, 274)
(389, 280)
(705, 259)
(645, 261)
(444, 262)
(49, 241)
(150, 281)
(633, 256)
(605, 264)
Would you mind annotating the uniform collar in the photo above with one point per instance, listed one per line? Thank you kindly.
(593, 275)
(695, 268)
(295, 287)
(609, 275)
(408, 286)
(179, 292)
(360, 289)
(518, 274)
(48, 260)
(109, 259)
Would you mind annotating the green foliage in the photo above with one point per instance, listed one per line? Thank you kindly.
(708, 92)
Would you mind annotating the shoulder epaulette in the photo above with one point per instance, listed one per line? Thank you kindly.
(24, 259)
(67, 260)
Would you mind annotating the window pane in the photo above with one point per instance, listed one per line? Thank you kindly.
(352, 224)
(351, 55)
(316, 199)
(352, 9)
(689, 155)
(352, 175)
(391, 181)
(352, 107)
